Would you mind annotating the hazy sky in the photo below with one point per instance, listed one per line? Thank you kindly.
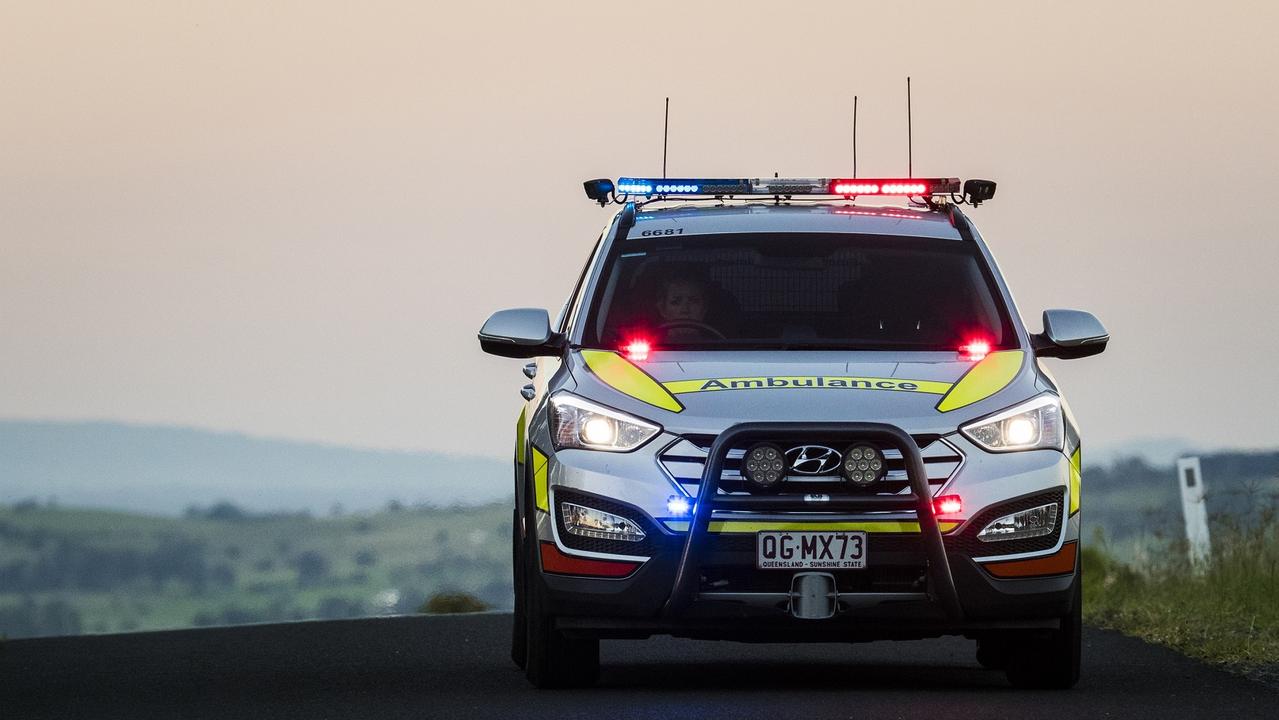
(291, 218)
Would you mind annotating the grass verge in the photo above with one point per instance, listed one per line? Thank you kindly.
(1227, 614)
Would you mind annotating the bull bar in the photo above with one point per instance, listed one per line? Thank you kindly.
(941, 586)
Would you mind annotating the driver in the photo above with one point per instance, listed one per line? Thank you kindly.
(682, 303)
(682, 298)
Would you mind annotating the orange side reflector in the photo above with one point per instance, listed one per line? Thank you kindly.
(554, 561)
(1059, 563)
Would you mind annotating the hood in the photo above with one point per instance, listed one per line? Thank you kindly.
(705, 392)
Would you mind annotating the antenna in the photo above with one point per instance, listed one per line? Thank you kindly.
(910, 160)
(666, 131)
(854, 136)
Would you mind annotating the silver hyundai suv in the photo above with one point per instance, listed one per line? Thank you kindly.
(783, 410)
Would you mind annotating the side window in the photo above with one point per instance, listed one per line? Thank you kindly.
(566, 315)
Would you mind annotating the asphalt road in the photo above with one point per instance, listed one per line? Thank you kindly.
(457, 667)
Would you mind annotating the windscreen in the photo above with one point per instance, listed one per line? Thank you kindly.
(779, 291)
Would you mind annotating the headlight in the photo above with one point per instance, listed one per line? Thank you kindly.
(1031, 425)
(589, 522)
(1029, 523)
(579, 423)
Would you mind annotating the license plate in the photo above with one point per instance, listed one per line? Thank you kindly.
(775, 550)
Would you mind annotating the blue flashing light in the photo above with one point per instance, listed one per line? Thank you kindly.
(681, 186)
(631, 186)
(678, 506)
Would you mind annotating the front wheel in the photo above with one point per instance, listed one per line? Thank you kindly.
(519, 630)
(1052, 661)
(992, 653)
(555, 660)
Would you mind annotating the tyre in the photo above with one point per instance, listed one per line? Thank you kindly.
(554, 660)
(1051, 661)
(519, 629)
(992, 653)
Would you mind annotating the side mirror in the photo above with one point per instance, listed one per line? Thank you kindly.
(1070, 334)
(520, 333)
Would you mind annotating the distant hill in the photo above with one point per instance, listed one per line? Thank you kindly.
(161, 469)
(1151, 450)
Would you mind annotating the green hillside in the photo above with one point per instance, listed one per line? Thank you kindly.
(65, 571)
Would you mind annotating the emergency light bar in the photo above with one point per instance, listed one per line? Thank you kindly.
(603, 190)
(914, 187)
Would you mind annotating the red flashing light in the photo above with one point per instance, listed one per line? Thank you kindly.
(878, 187)
(854, 188)
(975, 349)
(637, 350)
(907, 188)
(948, 505)
(554, 561)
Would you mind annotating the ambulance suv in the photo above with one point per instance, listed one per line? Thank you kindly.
(772, 410)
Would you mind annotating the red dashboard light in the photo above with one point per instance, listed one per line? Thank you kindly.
(975, 349)
(637, 350)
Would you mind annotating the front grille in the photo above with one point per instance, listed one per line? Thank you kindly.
(653, 540)
(685, 460)
(968, 543)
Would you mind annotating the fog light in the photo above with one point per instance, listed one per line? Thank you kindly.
(863, 465)
(1029, 523)
(764, 465)
(589, 522)
(677, 506)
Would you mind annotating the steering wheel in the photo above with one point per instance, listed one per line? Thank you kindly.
(691, 325)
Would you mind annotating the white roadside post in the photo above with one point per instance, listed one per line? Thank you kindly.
(1190, 478)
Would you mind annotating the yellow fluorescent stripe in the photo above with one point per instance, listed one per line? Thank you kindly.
(873, 526)
(1076, 477)
(806, 382)
(623, 376)
(519, 436)
(540, 491)
(982, 380)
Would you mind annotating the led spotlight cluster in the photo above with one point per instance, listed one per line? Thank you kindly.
(863, 465)
(764, 465)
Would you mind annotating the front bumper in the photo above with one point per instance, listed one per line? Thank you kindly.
(949, 592)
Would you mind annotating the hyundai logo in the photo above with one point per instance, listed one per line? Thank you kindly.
(813, 459)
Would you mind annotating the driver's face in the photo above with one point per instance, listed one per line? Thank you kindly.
(683, 301)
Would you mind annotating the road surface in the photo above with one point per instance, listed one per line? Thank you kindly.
(457, 667)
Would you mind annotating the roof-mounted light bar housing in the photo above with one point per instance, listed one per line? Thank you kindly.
(919, 187)
(602, 190)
